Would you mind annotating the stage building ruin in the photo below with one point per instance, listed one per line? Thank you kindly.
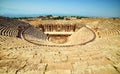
(58, 33)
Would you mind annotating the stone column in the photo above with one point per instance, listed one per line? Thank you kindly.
(47, 27)
(70, 27)
(44, 27)
(55, 27)
(74, 28)
(52, 27)
(65, 28)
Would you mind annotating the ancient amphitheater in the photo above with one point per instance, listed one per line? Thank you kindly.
(84, 46)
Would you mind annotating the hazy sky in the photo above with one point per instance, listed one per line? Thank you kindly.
(102, 8)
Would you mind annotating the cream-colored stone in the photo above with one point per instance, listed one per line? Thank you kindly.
(100, 56)
(58, 72)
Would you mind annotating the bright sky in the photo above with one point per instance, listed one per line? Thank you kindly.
(102, 8)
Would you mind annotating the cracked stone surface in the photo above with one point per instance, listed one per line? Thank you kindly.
(101, 56)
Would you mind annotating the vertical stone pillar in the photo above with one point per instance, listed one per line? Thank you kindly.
(44, 27)
(63, 28)
(60, 27)
(47, 27)
(56, 27)
(67, 28)
(52, 27)
(74, 28)
(70, 28)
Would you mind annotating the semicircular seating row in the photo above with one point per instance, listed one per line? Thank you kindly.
(106, 28)
(35, 36)
(9, 27)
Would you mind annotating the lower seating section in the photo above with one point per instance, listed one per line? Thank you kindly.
(35, 36)
(82, 36)
(22, 57)
(12, 42)
(35, 33)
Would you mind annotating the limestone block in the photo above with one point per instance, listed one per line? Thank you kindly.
(58, 72)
